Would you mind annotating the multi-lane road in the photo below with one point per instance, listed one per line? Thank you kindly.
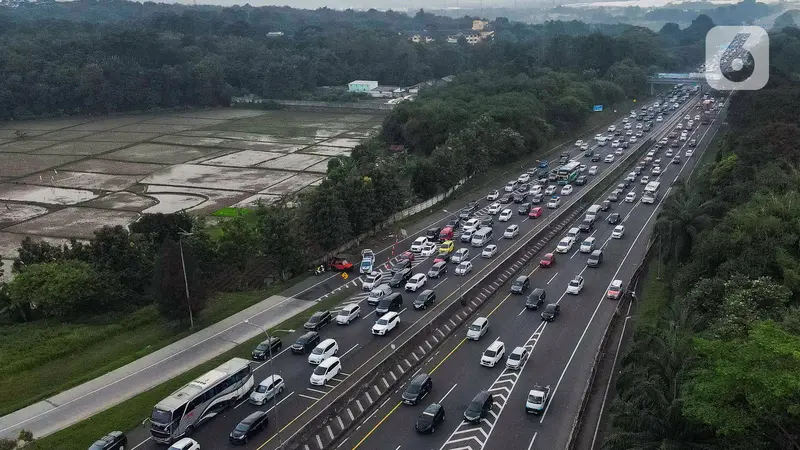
(458, 377)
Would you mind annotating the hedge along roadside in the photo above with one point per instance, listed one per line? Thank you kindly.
(332, 412)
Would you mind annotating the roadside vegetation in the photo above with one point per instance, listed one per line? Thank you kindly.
(714, 363)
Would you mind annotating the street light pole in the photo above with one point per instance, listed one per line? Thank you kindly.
(272, 370)
(185, 279)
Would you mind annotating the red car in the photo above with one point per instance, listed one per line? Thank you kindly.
(548, 260)
(340, 264)
(535, 212)
(406, 256)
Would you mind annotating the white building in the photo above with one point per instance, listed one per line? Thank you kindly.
(361, 86)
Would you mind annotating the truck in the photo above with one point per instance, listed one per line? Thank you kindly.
(367, 261)
(707, 104)
(651, 192)
(537, 399)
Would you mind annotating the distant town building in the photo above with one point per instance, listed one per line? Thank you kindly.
(472, 38)
(418, 38)
(275, 34)
(479, 25)
(361, 86)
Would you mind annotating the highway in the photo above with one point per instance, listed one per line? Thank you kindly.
(561, 351)
(357, 345)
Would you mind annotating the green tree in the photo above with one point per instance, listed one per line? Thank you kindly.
(679, 223)
(32, 252)
(169, 284)
(282, 239)
(238, 243)
(325, 217)
(423, 179)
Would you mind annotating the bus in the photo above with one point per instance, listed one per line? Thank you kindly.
(179, 414)
(651, 192)
(568, 172)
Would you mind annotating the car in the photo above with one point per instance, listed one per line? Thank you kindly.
(306, 342)
(511, 186)
(535, 213)
(535, 189)
(640, 133)
(479, 407)
(340, 263)
(489, 251)
(550, 190)
(348, 314)
(630, 197)
(550, 312)
(567, 189)
(537, 198)
(521, 195)
(494, 208)
(565, 245)
(595, 259)
(416, 246)
(639, 126)
(505, 199)
(471, 224)
(486, 221)
(492, 196)
(692, 143)
(618, 232)
(613, 218)
(460, 255)
(115, 440)
(581, 180)
(520, 285)
(575, 285)
(615, 143)
(524, 178)
(676, 159)
(318, 320)
(505, 215)
(373, 280)
(418, 388)
(614, 195)
(430, 417)
(674, 144)
(585, 148)
(429, 249)
(657, 162)
(659, 118)
(615, 290)
(511, 232)
(595, 158)
(267, 348)
(656, 170)
(466, 235)
(401, 277)
(668, 153)
(554, 202)
(438, 269)
(447, 247)
(493, 354)
(424, 298)
(609, 159)
(645, 179)
(516, 359)
(464, 268)
(587, 245)
(268, 389)
(605, 205)
(631, 177)
(579, 142)
(547, 260)
(592, 170)
(326, 370)
(535, 299)
(633, 139)
(524, 209)
(612, 128)
(386, 323)
(416, 282)
(586, 225)
(689, 152)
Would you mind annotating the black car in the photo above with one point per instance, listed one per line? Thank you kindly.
(400, 265)
(535, 299)
(537, 198)
(520, 197)
(112, 441)
(419, 387)
(305, 343)
(624, 185)
(437, 269)
(424, 298)
(596, 157)
(318, 320)
(613, 196)
(520, 285)
(433, 233)
(588, 153)
(595, 259)
(266, 348)
(637, 170)
(432, 416)
(505, 199)
(587, 225)
(624, 144)
(400, 277)
(524, 208)
(251, 424)
(613, 218)
(581, 180)
(605, 205)
(550, 312)
(487, 221)
(454, 222)
(479, 407)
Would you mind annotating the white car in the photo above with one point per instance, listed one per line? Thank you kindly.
(415, 282)
(633, 139)
(494, 195)
(516, 359)
(657, 162)
(656, 170)
(668, 153)
(386, 323)
(326, 370)
(550, 190)
(511, 232)
(585, 147)
(627, 126)
(598, 136)
(689, 152)
(494, 208)
(267, 390)
(588, 245)
(659, 118)
(630, 197)
(429, 249)
(697, 117)
(687, 117)
(567, 189)
(323, 351)
(565, 245)
(460, 255)
(609, 159)
(615, 143)
(416, 247)
(471, 224)
(554, 202)
(593, 170)
(185, 444)
(612, 128)
(618, 232)
(629, 133)
(489, 251)
(575, 285)
(510, 186)
(524, 178)
(639, 126)
(506, 215)
(372, 281)
(536, 189)
(579, 142)
(645, 179)
(618, 151)
(348, 314)
(494, 354)
(464, 268)
(683, 138)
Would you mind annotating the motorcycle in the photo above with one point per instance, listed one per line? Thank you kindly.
(319, 270)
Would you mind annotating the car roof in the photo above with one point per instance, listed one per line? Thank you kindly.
(329, 360)
(270, 379)
(589, 239)
(390, 315)
(518, 350)
(420, 378)
(350, 307)
(616, 283)
(327, 341)
(597, 252)
(495, 345)
(480, 320)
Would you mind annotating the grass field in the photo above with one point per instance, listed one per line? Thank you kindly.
(43, 358)
(130, 413)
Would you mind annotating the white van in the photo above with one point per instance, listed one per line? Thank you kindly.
(325, 371)
(481, 237)
(323, 351)
(573, 233)
(593, 212)
(478, 328)
(602, 141)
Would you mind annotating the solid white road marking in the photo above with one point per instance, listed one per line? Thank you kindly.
(448, 393)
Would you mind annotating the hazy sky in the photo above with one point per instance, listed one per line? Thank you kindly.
(397, 5)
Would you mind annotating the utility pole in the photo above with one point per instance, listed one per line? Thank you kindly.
(181, 234)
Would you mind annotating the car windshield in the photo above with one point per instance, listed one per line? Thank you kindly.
(320, 370)
(317, 351)
(262, 346)
(261, 388)
(535, 398)
(371, 278)
(517, 283)
(474, 407)
(242, 427)
(550, 308)
(160, 416)
(574, 283)
(382, 322)
(314, 319)
(474, 328)
(490, 353)
(515, 356)
(464, 265)
(414, 388)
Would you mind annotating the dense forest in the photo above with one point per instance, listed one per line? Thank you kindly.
(717, 365)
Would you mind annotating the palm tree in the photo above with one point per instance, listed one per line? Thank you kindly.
(682, 219)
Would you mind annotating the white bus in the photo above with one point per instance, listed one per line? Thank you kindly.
(185, 409)
(651, 192)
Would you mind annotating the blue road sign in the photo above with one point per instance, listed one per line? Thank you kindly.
(597, 108)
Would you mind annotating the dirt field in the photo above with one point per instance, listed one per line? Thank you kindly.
(65, 178)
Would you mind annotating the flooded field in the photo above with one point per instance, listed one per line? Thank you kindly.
(66, 178)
